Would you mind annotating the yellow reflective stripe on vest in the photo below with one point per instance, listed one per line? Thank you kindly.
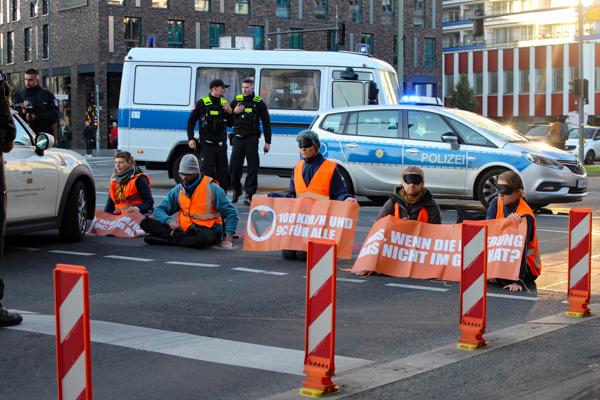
(214, 112)
(223, 101)
(207, 101)
(257, 99)
(209, 200)
(247, 110)
(239, 97)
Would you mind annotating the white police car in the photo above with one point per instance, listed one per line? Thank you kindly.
(47, 188)
(591, 143)
(462, 153)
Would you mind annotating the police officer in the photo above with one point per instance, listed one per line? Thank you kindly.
(214, 114)
(7, 137)
(35, 105)
(248, 111)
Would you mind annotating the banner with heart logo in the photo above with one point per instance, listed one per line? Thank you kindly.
(123, 225)
(276, 223)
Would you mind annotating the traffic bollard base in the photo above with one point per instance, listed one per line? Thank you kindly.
(310, 392)
(469, 346)
(578, 314)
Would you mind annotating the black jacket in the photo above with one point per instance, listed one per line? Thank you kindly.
(247, 123)
(89, 133)
(43, 106)
(412, 211)
(212, 127)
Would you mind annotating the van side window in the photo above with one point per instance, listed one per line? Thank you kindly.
(349, 93)
(231, 76)
(154, 85)
(380, 123)
(290, 89)
(426, 126)
(334, 123)
(470, 136)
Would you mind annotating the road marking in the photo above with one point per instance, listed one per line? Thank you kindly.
(551, 230)
(259, 271)
(191, 264)
(374, 376)
(509, 296)
(351, 280)
(193, 347)
(24, 248)
(74, 253)
(130, 258)
(417, 287)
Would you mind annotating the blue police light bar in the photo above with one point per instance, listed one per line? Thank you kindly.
(421, 100)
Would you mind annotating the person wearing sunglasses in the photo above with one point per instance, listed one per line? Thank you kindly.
(510, 204)
(411, 200)
(192, 213)
(314, 177)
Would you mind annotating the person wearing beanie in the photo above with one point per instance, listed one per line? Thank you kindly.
(192, 213)
(314, 177)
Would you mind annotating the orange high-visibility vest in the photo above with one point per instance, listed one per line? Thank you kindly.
(198, 210)
(319, 185)
(422, 217)
(532, 251)
(130, 197)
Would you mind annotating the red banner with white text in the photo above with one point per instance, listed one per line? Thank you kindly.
(123, 225)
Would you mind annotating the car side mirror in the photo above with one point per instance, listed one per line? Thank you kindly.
(43, 141)
(450, 137)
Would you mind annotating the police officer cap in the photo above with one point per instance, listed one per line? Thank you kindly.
(217, 83)
(307, 138)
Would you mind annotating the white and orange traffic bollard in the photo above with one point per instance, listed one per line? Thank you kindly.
(319, 342)
(73, 358)
(473, 285)
(580, 262)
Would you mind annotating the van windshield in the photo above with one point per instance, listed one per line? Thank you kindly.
(390, 87)
(491, 127)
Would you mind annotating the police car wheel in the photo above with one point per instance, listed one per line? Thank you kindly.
(486, 189)
(74, 221)
(590, 157)
(347, 180)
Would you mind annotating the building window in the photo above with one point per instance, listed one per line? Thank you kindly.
(492, 82)
(524, 81)
(215, 30)
(295, 39)
(14, 10)
(45, 7)
(33, 8)
(429, 53)
(332, 41)
(115, 2)
(27, 44)
(419, 15)
(175, 33)
(387, 12)
(449, 85)
(282, 8)
(242, 7)
(508, 82)
(259, 36)
(202, 5)
(133, 32)
(478, 83)
(540, 80)
(160, 3)
(10, 47)
(573, 73)
(321, 10)
(355, 10)
(45, 41)
(557, 80)
(367, 38)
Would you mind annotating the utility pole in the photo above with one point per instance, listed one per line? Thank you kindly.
(98, 109)
(400, 44)
(581, 94)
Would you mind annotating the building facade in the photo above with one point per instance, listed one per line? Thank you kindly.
(521, 67)
(81, 44)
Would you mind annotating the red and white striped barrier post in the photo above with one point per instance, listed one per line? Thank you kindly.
(73, 358)
(319, 342)
(580, 262)
(473, 285)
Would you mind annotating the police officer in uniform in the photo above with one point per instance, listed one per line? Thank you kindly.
(248, 111)
(214, 114)
(35, 105)
(7, 136)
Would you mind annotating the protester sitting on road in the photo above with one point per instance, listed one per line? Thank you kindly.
(511, 204)
(412, 200)
(129, 187)
(192, 213)
(314, 177)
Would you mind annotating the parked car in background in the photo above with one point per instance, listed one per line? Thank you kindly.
(538, 132)
(591, 141)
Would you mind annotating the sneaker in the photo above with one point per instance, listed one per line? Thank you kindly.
(236, 196)
(8, 318)
(248, 200)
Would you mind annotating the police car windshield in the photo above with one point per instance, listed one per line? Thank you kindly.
(491, 127)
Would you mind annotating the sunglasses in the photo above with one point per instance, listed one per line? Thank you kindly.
(413, 178)
(506, 190)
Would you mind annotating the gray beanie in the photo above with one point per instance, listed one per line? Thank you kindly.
(189, 165)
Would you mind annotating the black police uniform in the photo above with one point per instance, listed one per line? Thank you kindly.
(213, 137)
(246, 133)
(42, 104)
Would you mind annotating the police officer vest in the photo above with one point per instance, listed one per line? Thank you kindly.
(213, 125)
(246, 123)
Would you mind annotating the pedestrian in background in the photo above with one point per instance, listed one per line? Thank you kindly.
(113, 137)
(249, 110)
(37, 106)
(214, 114)
(130, 189)
(8, 133)
(89, 135)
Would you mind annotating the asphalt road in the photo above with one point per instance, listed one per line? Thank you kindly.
(176, 323)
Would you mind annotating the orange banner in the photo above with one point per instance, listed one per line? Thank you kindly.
(123, 226)
(277, 223)
(411, 249)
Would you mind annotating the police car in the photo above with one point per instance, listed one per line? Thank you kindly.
(462, 153)
(47, 188)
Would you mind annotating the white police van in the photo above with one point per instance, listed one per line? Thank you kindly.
(461, 153)
(160, 86)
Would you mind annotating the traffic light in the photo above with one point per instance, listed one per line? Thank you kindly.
(341, 34)
(478, 27)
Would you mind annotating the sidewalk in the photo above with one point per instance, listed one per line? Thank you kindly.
(97, 153)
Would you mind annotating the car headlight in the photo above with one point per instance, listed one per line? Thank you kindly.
(544, 161)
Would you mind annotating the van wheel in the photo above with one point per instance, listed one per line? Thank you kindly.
(74, 221)
(175, 167)
(347, 180)
(486, 189)
(590, 157)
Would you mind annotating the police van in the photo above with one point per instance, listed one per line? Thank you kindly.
(160, 86)
(462, 153)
